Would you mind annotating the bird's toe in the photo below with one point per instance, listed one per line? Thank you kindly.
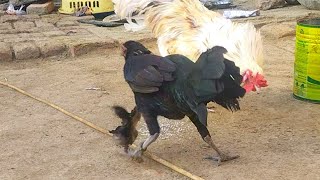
(216, 159)
(136, 155)
(228, 158)
(222, 158)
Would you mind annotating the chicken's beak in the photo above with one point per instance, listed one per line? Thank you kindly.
(246, 76)
(123, 50)
(257, 89)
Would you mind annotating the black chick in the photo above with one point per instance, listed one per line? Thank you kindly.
(175, 87)
(127, 133)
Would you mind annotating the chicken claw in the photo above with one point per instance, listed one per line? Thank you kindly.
(222, 158)
(136, 155)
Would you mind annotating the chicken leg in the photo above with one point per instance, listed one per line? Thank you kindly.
(202, 129)
(154, 130)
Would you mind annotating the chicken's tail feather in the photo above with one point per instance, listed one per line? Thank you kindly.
(232, 89)
(230, 104)
(212, 63)
(134, 11)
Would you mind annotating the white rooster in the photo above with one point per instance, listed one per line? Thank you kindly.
(187, 27)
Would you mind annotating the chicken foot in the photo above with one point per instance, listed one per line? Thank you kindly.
(203, 131)
(137, 154)
(221, 156)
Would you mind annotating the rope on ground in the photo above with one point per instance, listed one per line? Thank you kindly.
(148, 154)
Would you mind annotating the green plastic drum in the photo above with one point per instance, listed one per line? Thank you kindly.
(307, 61)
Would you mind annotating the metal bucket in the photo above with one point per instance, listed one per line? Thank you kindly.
(307, 61)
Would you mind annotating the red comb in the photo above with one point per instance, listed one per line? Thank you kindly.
(251, 82)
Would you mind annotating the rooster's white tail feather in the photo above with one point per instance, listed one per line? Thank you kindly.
(134, 11)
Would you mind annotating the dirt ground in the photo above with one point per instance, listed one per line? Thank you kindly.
(276, 136)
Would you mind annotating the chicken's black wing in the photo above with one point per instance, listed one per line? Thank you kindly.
(146, 73)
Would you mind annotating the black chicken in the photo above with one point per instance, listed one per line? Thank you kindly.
(127, 133)
(175, 87)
